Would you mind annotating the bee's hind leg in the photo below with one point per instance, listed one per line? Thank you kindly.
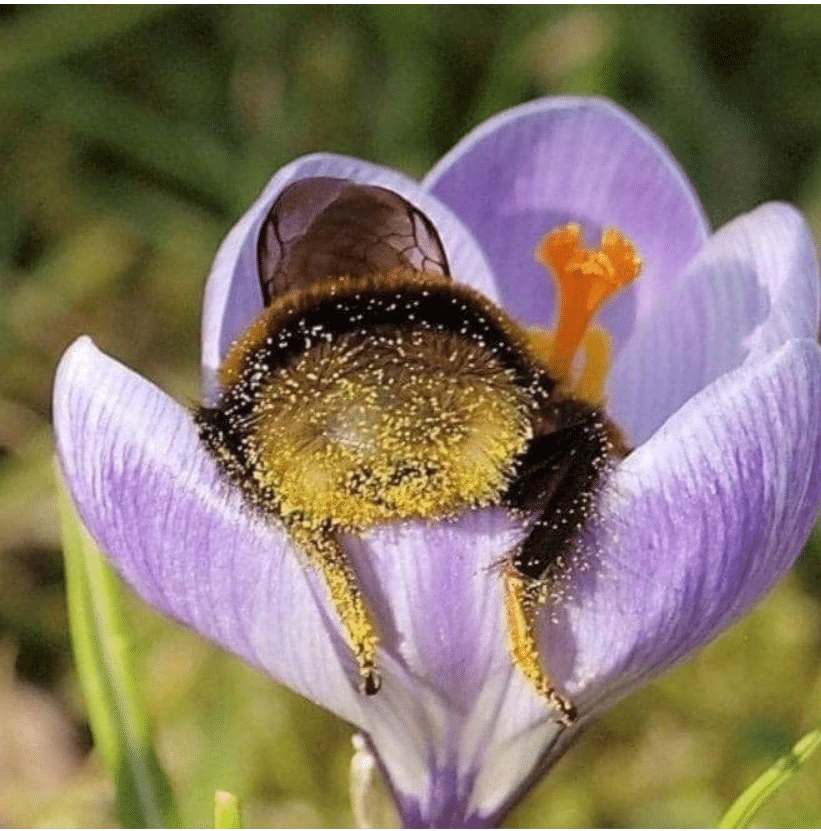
(558, 479)
(327, 555)
(523, 599)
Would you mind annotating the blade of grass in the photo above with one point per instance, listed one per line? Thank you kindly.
(39, 35)
(178, 150)
(227, 811)
(102, 656)
(744, 809)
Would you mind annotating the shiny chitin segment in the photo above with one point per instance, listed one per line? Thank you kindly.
(323, 227)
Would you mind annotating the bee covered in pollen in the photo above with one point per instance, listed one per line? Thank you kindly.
(374, 388)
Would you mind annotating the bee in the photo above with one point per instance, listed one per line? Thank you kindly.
(374, 388)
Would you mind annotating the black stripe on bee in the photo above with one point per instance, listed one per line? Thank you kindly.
(373, 308)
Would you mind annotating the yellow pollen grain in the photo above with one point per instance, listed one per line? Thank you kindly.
(585, 279)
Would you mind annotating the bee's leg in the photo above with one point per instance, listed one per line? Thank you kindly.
(557, 478)
(523, 597)
(329, 557)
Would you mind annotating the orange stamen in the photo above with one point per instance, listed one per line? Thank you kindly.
(585, 279)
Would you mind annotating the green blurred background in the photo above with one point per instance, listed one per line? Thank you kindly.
(131, 138)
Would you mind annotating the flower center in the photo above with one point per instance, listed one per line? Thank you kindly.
(585, 279)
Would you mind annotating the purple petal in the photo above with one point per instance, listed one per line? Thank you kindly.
(699, 523)
(455, 725)
(232, 295)
(557, 160)
(753, 286)
(153, 500)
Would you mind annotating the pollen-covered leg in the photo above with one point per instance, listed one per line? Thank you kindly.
(329, 557)
(558, 479)
(523, 598)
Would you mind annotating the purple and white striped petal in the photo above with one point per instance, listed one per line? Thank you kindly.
(453, 709)
(751, 288)
(698, 524)
(556, 160)
(153, 500)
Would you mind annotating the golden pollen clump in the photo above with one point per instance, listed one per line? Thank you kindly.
(407, 424)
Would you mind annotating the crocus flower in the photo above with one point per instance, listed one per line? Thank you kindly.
(715, 380)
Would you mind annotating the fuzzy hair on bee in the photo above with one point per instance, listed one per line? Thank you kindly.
(373, 387)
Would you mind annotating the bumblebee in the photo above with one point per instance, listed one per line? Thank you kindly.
(374, 388)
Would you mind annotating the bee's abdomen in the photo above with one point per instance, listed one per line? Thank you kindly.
(371, 426)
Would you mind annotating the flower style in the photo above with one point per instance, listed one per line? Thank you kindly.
(715, 380)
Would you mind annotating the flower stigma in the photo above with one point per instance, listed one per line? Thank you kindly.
(585, 279)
